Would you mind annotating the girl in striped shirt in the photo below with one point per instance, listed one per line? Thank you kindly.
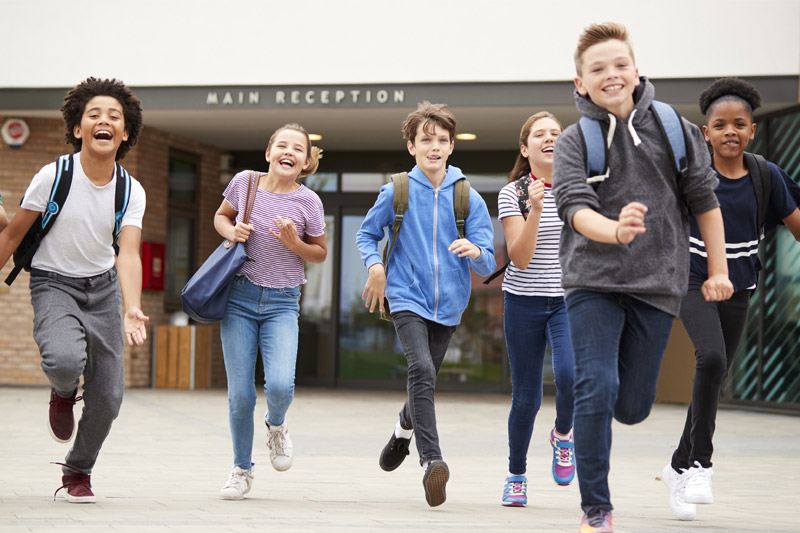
(534, 311)
(286, 228)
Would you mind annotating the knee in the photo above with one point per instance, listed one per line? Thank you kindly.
(632, 414)
(279, 392)
(422, 372)
(63, 370)
(241, 402)
(526, 402)
(712, 364)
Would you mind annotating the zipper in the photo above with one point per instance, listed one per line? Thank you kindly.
(435, 258)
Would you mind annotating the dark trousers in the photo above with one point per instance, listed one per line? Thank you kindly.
(424, 343)
(715, 329)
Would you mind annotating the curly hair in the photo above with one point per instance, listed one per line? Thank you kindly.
(75, 105)
(730, 89)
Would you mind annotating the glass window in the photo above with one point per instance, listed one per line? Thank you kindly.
(314, 357)
(182, 179)
(321, 181)
(364, 182)
(182, 218)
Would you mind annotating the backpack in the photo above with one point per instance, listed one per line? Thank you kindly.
(762, 183)
(596, 145)
(24, 253)
(400, 206)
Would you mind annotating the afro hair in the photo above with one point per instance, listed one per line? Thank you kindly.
(735, 88)
(75, 105)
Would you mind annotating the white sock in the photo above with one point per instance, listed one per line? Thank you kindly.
(564, 438)
(401, 433)
(517, 475)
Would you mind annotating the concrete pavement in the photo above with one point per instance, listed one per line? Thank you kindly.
(169, 454)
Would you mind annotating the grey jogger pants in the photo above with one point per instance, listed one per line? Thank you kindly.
(77, 324)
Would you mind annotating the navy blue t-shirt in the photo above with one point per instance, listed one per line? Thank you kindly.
(737, 200)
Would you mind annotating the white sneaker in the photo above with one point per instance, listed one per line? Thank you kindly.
(280, 447)
(676, 483)
(698, 484)
(238, 484)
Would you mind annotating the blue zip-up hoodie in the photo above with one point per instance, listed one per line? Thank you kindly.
(423, 276)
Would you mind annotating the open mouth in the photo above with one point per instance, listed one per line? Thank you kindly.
(288, 163)
(103, 135)
(613, 88)
(548, 150)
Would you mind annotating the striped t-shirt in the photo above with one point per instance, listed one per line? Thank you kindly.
(542, 277)
(275, 265)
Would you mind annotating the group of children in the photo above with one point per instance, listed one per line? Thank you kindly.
(644, 241)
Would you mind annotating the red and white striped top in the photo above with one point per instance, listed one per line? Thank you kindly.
(275, 265)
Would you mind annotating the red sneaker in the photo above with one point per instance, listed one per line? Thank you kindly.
(78, 485)
(62, 421)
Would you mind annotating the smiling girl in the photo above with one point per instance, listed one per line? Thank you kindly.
(715, 328)
(286, 228)
(534, 313)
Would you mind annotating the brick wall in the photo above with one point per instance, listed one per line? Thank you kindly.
(148, 163)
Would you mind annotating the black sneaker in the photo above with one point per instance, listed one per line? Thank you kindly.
(434, 481)
(394, 453)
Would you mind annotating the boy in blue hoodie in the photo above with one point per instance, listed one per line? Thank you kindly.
(625, 251)
(429, 286)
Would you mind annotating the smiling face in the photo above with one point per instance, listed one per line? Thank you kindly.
(540, 144)
(431, 147)
(729, 128)
(102, 128)
(288, 154)
(609, 76)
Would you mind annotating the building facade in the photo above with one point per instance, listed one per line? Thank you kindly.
(215, 81)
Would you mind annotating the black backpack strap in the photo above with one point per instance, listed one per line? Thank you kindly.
(762, 184)
(41, 226)
(521, 188)
(122, 197)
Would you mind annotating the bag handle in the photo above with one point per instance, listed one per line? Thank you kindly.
(252, 185)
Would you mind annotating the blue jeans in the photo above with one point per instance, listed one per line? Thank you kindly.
(424, 344)
(529, 322)
(258, 318)
(619, 342)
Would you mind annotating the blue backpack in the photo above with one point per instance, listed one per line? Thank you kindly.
(58, 195)
(594, 139)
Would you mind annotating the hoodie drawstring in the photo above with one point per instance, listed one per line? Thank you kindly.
(636, 140)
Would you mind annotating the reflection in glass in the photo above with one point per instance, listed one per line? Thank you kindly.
(321, 182)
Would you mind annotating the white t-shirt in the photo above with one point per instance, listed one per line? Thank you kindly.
(542, 277)
(79, 244)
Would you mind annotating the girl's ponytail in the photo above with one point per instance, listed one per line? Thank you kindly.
(315, 154)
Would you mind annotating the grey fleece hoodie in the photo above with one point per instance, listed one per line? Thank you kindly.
(654, 268)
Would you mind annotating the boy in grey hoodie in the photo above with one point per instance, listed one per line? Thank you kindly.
(624, 252)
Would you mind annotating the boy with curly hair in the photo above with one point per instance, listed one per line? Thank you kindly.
(86, 301)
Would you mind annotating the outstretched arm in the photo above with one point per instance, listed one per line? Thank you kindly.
(129, 269)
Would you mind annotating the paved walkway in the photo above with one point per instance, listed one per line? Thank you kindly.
(169, 454)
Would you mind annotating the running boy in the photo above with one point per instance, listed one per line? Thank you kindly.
(624, 251)
(428, 284)
(75, 286)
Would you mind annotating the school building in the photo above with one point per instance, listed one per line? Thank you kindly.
(216, 79)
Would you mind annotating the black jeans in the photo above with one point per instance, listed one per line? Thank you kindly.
(424, 343)
(715, 329)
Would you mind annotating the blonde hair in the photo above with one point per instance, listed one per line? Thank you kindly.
(313, 153)
(429, 115)
(599, 33)
(522, 166)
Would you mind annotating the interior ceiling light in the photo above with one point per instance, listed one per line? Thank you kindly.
(466, 136)
(314, 137)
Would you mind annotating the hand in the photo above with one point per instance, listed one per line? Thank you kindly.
(630, 222)
(133, 321)
(536, 195)
(287, 232)
(717, 288)
(464, 248)
(375, 289)
(241, 232)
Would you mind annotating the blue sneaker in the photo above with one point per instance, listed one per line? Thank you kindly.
(563, 459)
(515, 493)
